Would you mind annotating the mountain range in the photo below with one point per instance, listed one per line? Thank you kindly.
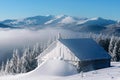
(81, 24)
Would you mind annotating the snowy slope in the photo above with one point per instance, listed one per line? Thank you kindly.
(67, 20)
(55, 68)
(55, 20)
(51, 69)
(96, 21)
(112, 73)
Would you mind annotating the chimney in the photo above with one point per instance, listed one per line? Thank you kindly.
(59, 36)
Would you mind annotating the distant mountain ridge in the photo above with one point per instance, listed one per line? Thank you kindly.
(5, 26)
(60, 19)
(81, 24)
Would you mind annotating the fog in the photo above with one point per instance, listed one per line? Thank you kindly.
(20, 38)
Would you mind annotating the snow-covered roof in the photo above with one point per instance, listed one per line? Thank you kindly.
(83, 48)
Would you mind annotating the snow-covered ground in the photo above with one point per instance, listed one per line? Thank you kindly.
(112, 73)
(58, 70)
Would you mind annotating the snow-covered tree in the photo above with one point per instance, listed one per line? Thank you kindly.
(36, 50)
(28, 59)
(105, 43)
(114, 58)
(118, 54)
(15, 62)
(24, 60)
(2, 69)
(7, 67)
(12, 65)
(116, 50)
(111, 46)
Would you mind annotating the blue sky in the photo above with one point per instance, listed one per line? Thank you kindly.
(82, 8)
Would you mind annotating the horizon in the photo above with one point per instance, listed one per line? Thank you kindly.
(18, 9)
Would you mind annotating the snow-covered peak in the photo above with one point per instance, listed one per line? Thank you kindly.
(96, 18)
(60, 16)
(67, 20)
(81, 22)
(89, 19)
(56, 19)
(49, 22)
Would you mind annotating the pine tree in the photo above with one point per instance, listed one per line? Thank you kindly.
(24, 61)
(118, 54)
(7, 67)
(18, 70)
(14, 62)
(114, 58)
(116, 51)
(2, 69)
(111, 45)
(36, 50)
(28, 60)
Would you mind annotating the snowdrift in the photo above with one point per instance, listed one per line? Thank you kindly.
(55, 68)
(111, 73)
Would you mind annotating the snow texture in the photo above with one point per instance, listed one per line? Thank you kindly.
(67, 20)
(55, 68)
(111, 73)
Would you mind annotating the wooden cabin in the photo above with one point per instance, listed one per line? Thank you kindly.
(83, 53)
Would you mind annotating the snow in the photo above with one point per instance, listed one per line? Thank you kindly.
(86, 20)
(62, 19)
(67, 20)
(111, 73)
(50, 21)
(82, 22)
(55, 68)
(51, 68)
(89, 19)
(55, 20)
(96, 20)
(59, 16)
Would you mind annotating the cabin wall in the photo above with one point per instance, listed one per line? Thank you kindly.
(93, 65)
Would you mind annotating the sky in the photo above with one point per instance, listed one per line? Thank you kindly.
(14, 9)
